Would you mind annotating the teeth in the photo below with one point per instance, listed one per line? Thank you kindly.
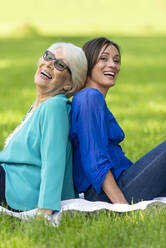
(46, 74)
(109, 73)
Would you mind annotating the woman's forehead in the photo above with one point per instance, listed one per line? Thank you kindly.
(58, 53)
(110, 50)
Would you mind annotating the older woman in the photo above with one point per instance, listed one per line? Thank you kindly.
(36, 163)
(101, 169)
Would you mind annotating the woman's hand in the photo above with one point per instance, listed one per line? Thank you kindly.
(45, 212)
(112, 190)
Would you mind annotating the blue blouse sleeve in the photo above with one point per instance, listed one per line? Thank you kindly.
(54, 136)
(93, 137)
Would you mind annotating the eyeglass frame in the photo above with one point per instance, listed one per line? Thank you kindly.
(56, 60)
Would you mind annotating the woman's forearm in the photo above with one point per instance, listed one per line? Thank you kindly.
(45, 211)
(112, 190)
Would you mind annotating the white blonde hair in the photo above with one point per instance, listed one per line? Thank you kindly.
(77, 63)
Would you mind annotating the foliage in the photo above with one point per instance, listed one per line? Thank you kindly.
(73, 17)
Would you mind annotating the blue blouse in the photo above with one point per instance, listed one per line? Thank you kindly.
(95, 135)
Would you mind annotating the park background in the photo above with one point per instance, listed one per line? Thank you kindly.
(83, 16)
(138, 102)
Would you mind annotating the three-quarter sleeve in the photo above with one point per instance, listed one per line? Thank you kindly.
(54, 127)
(90, 115)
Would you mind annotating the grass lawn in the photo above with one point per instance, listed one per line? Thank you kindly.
(137, 101)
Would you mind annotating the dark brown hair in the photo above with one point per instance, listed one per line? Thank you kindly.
(92, 50)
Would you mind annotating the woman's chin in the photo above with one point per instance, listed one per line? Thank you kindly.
(41, 82)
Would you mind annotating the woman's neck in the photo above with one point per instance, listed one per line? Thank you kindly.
(103, 90)
(39, 100)
(43, 95)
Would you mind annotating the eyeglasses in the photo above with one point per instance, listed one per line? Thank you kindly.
(58, 64)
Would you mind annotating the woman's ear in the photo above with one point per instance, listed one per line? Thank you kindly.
(67, 87)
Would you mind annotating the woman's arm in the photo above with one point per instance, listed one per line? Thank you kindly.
(44, 211)
(93, 140)
(112, 190)
(54, 137)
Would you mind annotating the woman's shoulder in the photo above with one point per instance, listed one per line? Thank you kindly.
(57, 101)
(88, 100)
(56, 106)
(88, 95)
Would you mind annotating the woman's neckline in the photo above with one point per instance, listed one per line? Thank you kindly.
(33, 108)
(94, 90)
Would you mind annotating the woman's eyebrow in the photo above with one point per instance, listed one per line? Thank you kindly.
(106, 53)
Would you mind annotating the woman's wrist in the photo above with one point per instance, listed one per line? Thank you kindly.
(119, 199)
(112, 190)
(43, 211)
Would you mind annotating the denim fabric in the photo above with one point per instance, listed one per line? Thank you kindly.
(2, 191)
(2, 187)
(143, 180)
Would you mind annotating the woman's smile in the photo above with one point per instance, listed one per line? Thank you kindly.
(45, 74)
(105, 71)
(49, 78)
(109, 74)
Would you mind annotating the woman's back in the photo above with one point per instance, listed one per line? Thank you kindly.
(95, 135)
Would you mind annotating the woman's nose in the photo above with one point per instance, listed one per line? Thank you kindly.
(111, 63)
(50, 63)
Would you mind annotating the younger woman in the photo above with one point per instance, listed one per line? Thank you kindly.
(101, 169)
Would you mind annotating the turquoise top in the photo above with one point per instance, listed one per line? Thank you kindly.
(38, 159)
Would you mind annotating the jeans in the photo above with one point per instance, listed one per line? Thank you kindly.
(2, 187)
(3, 201)
(144, 180)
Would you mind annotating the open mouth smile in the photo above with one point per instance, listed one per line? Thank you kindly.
(109, 74)
(46, 74)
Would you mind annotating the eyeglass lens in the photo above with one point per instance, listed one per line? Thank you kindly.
(58, 63)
